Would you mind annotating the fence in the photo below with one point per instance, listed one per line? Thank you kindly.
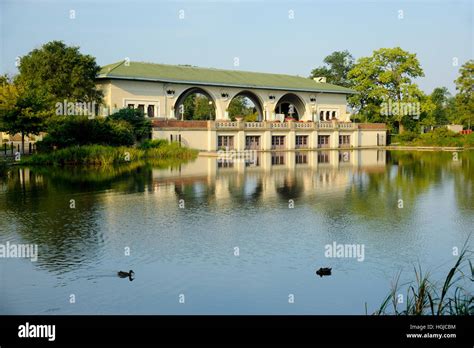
(11, 149)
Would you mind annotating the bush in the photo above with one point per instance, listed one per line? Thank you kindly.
(406, 136)
(66, 131)
(151, 144)
(141, 127)
(440, 137)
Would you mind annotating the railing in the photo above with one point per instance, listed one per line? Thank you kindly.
(254, 125)
(226, 124)
(279, 125)
(264, 125)
(325, 125)
(304, 125)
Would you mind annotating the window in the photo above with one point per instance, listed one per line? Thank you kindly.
(225, 141)
(301, 158)
(131, 106)
(141, 107)
(323, 140)
(301, 141)
(344, 140)
(278, 142)
(323, 157)
(151, 111)
(252, 142)
(278, 159)
(223, 163)
(327, 115)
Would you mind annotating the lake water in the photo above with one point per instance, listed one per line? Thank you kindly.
(179, 228)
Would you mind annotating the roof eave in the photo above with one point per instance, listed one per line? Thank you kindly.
(119, 77)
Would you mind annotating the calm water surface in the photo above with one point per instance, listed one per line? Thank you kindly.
(347, 198)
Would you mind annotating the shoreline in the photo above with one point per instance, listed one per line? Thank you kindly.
(389, 147)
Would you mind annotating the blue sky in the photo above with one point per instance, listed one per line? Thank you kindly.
(260, 33)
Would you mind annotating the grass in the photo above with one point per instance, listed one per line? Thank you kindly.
(108, 155)
(424, 297)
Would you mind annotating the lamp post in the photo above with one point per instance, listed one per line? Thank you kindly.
(210, 110)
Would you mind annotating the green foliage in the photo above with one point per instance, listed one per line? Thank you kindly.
(50, 74)
(238, 107)
(140, 126)
(107, 155)
(424, 297)
(386, 75)
(440, 136)
(338, 65)
(407, 136)
(124, 128)
(60, 72)
(203, 110)
(66, 131)
(197, 107)
(464, 100)
(22, 110)
(150, 144)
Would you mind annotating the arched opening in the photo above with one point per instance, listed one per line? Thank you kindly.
(195, 104)
(247, 105)
(291, 106)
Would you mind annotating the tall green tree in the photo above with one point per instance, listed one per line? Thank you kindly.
(60, 72)
(385, 76)
(465, 96)
(22, 110)
(439, 97)
(336, 68)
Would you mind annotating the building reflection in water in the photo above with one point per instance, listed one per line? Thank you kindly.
(285, 174)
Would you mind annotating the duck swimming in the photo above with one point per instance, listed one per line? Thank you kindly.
(324, 271)
(123, 274)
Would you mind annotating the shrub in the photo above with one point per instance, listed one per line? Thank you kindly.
(406, 136)
(66, 131)
(440, 137)
(151, 144)
(141, 127)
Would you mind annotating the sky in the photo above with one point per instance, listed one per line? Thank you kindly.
(289, 37)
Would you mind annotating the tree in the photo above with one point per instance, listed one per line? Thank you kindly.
(338, 65)
(141, 127)
(204, 108)
(385, 77)
(60, 72)
(439, 97)
(465, 97)
(22, 110)
(239, 106)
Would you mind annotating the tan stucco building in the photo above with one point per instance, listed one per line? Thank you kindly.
(318, 110)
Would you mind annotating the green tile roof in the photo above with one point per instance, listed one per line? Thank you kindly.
(216, 77)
